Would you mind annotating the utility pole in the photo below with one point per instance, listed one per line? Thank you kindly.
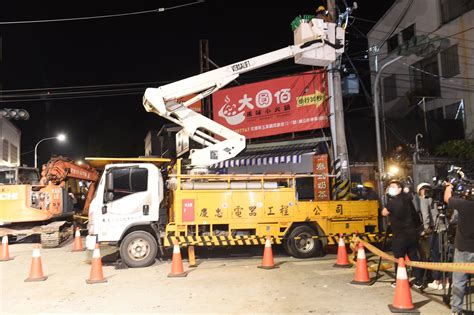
(204, 67)
(337, 110)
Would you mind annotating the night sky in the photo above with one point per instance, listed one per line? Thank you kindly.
(149, 49)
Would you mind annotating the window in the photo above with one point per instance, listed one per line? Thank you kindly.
(450, 62)
(5, 146)
(390, 88)
(408, 33)
(392, 43)
(13, 154)
(451, 9)
(424, 76)
(128, 181)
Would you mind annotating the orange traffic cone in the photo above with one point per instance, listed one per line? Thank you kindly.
(342, 261)
(96, 276)
(36, 270)
(177, 269)
(77, 245)
(362, 273)
(4, 253)
(402, 302)
(268, 262)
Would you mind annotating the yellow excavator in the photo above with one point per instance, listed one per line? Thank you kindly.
(45, 206)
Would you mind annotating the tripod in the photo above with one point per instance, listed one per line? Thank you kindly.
(439, 249)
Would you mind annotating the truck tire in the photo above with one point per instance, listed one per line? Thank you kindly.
(305, 246)
(138, 249)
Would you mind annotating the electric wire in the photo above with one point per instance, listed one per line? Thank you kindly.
(157, 10)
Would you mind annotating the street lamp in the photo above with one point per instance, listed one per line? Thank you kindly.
(60, 138)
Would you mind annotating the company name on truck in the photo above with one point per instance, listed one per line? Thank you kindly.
(240, 65)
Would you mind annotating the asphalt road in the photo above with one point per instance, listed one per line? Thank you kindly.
(226, 281)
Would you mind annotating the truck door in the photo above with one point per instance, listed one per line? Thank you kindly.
(127, 200)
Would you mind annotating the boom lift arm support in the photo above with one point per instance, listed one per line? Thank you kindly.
(224, 143)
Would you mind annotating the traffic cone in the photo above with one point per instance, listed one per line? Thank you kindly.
(362, 273)
(36, 270)
(4, 253)
(402, 302)
(77, 245)
(97, 275)
(177, 269)
(342, 261)
(268, 262)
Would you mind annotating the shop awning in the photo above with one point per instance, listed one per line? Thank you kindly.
(263, 159)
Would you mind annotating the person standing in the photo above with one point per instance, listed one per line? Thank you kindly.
(402, 216)
(463, 243)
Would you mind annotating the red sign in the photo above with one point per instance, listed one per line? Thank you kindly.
(188, 210)
(266, 108)
(321, 183)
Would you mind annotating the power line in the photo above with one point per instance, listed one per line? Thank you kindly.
(158, 10)
(66, 98)
(400, 19)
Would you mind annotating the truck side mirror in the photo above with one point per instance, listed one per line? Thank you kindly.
(109, 181)
(108, 196)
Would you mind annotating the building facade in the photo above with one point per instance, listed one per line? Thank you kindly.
(10, 144)
(440, 83)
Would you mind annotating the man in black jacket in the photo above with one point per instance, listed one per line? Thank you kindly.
(463, 243)
(405, 227)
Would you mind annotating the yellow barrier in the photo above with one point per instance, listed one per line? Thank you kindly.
(448, 267)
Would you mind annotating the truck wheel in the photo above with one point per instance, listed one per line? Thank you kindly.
(138, 249)
(304, 246)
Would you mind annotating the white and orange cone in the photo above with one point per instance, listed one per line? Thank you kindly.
(362, 272)
(4, 252)
(342, 260)
(402, 302)
(177, 268)
(36, 270)
(77, 245)
(96, 275)
(267, 261)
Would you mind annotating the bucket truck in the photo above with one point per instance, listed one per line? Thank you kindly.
(144, 205)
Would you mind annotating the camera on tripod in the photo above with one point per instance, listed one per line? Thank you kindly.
(462, 186)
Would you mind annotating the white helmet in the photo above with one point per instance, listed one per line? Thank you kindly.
(421, 185)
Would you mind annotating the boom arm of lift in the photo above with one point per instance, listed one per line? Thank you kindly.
(224, 143)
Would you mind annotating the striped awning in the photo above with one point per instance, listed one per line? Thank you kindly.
(262, 159)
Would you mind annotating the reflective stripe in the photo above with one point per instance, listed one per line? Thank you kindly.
(176, 249)
(361, 253)
(96, 253)
(36, 252)
(402, 273)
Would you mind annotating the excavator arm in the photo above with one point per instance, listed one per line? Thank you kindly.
(59, 169)
(220, 143)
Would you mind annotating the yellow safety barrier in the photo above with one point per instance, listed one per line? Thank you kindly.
(448, 267)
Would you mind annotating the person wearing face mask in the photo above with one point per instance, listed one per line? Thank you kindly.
(402, 215)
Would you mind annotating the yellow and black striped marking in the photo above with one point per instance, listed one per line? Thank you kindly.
(220, 240)
(259, 240)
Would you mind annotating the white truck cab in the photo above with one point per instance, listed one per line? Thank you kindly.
(127, 199)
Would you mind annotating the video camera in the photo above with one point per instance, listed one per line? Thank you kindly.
(462, 186)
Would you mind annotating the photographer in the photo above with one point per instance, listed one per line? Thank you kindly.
(464, 243)
(432, 226)
(403, 220)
